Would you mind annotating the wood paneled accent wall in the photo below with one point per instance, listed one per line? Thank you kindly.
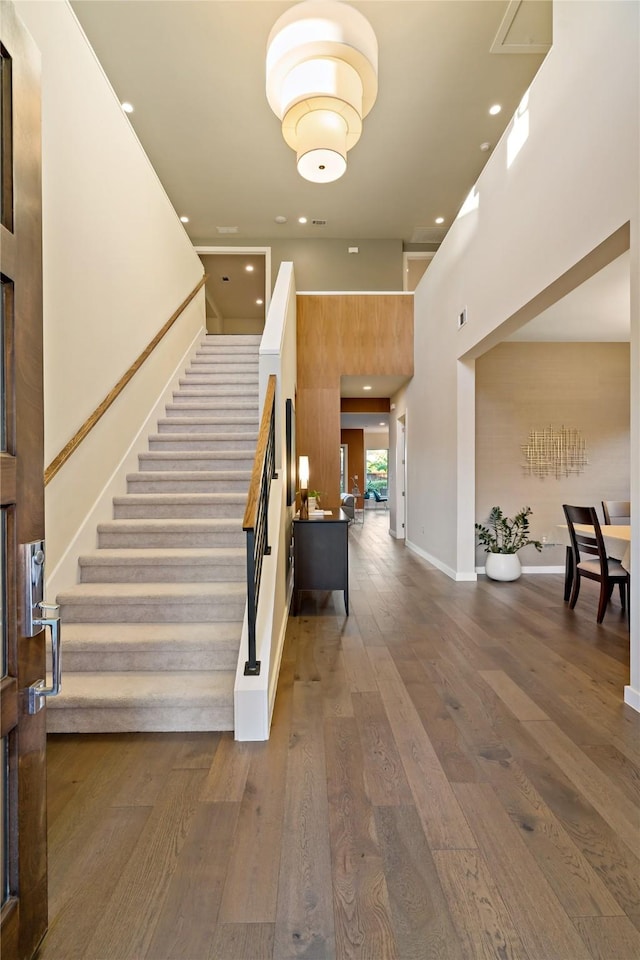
(354, 439)
(342, 335)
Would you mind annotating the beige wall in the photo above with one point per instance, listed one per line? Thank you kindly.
(116, 264)
(528, 386)
(328, 265)
(573, 184)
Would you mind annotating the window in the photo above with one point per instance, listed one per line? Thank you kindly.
(377, 462)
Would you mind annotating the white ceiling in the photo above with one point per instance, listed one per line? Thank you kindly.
(195, 73)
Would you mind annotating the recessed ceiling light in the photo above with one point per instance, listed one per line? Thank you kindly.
(382, 423)
(249, 268)
(367, 387)
(280, 219)
(127, 107)
(302, 219)
(439, 219)
(495, 109)
(184, 219)
(485, 146)
(259, 302)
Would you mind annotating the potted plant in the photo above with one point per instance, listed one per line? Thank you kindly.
(501, 539)
(314, 499)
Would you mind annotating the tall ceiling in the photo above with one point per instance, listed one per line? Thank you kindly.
(195, 74)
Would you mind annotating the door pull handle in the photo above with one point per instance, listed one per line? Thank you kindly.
(39, 691)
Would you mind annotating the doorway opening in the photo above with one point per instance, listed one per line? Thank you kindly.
(238, 288)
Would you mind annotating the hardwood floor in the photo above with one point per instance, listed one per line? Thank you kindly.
(452, 774)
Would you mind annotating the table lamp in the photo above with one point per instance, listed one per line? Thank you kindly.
(303, 479)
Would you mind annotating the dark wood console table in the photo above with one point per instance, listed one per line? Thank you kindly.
(321, 555)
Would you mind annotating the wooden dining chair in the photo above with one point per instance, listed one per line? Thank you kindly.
(616, 511)
(590, 559)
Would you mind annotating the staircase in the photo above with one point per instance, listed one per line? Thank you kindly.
(150, 635)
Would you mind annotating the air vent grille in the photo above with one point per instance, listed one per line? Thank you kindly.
(319, 223)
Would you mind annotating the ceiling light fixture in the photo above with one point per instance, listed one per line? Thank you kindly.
(495, 109)
(259, 302)
(302, 219)
(322, 79)
(367, 387)
(439, 219)
(249, 268)
(184, 219)
(127, 107)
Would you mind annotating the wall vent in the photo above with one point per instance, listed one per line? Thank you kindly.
(319, 223)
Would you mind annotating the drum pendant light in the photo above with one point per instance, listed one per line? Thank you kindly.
(322, 79)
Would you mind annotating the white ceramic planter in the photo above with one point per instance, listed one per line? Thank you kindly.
(503, 566)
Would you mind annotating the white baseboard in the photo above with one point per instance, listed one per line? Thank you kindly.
(632, 698)
(532, 570)
(458, 576)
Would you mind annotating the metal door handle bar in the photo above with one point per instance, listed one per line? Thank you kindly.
(38, 692)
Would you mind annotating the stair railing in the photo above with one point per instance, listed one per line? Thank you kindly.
(255, 523)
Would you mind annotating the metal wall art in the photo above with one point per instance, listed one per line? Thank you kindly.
(555, 452)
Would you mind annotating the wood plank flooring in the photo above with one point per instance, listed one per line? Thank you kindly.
(452, 774)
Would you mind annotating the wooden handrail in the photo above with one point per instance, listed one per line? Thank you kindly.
(91, 421)
(251, 511)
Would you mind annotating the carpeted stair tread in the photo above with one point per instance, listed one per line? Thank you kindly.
(226, 390)
(150, 557)
(207, 425)
(225, 524)
(232, 339)
(188, 481)
(124, 689)
(216, 377)
(211, 442)
(152, 636)
(104, 593)
(143, 701)
(179, 505)
(156, 647)
(194, 564)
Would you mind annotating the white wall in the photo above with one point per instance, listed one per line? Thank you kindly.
(117, 263)
(573, 185)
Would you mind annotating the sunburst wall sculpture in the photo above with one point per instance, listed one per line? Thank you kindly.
(555, 452)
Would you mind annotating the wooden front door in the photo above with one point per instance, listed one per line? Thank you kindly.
(23, 848)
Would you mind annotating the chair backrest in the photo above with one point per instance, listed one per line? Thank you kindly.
(349, 505)
(588, 542)
(617, 511)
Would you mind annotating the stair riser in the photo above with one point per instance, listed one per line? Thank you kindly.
(168, 540)
(222, 390)
(191, 380)
(92, 661)
(206, 368)
(143, 719)
(119, 610)
(186, 511)
(232, 572)
(223, 461)
(232, 443)
(189, 425)
(191, 407)
(247, 351)
(192, 485)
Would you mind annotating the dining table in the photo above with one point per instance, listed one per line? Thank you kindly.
(617, 540)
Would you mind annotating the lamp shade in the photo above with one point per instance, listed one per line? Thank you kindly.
(303, 472)
(322, 79)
